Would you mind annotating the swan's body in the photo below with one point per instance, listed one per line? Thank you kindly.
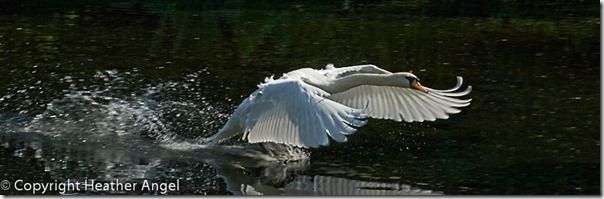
(306, 106)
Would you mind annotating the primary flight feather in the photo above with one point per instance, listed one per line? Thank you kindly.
(308, 107)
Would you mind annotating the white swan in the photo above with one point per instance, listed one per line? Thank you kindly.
(306, 106)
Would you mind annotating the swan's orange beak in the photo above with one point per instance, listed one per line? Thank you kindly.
(416, 85)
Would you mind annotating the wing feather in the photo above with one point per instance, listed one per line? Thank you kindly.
(410, 105)
(379, 106)
(424, 112)
(404, 110)
(395, 107)
(436, 111)
(292, 112)
(452, 101)
(421, 108)
(448, 107)
(415, 114)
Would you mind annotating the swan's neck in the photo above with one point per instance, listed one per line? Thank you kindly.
(351, 81)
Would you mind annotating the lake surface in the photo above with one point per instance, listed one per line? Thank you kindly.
(124, 89)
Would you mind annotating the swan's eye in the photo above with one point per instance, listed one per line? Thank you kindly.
(411, 79)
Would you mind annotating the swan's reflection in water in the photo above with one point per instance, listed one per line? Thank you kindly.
(324, 185)
(239, 170)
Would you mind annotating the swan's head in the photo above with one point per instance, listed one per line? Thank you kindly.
(411, 81)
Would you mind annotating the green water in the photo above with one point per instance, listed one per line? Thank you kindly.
(116, 89)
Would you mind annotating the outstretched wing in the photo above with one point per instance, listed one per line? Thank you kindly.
(292, 112)
(410, 105)
(333, 72)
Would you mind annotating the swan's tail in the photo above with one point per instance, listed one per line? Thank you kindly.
(230, 129)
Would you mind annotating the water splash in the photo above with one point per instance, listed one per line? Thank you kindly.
(113, 108)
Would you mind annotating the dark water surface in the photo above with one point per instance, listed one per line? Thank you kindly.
(123, 89)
